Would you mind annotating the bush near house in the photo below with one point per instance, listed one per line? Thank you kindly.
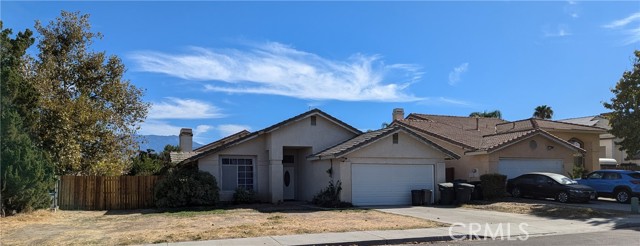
(244, 196)
(330, 196)
(493, 185)
(186, 186)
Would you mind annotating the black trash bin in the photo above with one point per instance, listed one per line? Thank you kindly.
(447, 193)
(417, 196)
(477, 190)
(463, 192)
(427, 197)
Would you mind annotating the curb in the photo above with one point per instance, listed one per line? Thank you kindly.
(395, 241)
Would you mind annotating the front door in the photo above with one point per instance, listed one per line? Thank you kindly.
(289, 183)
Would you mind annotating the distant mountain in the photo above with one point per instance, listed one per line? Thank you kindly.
(157, 143)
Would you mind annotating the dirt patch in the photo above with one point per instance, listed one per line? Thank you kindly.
(152, 226)
(541, 208)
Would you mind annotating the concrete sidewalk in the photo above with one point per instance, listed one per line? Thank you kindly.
(465, 223)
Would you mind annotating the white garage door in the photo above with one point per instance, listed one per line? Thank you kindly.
(515, 167)
(389, 184)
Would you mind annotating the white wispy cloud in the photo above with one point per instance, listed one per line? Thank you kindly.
(229, 129)
(158, 127)
(177, 108)
(560, 30)
(455, 75)
(277, 69)
(446, 101)
(630, 26)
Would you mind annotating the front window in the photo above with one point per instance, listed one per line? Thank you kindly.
(237, 172)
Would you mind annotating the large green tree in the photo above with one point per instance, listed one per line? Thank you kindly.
(485, 114)
(26, 173)
(89, 112)
(625, 110)
(543, 112)
(152, 163)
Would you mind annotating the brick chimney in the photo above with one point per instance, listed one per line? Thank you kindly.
(186, 140)
(398, 114)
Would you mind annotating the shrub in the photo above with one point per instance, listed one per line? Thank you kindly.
(186, 186)
(330, 196)
(493, 185)
(26, 173)
(244, 196)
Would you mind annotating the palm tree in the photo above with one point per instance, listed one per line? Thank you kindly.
(485, 114)
(543, 112)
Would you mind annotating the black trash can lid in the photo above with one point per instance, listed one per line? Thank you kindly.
(446, 185)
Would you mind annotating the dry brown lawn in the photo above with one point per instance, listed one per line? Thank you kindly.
(152, 226)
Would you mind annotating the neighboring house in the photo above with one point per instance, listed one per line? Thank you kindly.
(610, 153)
(296, 158)
(490, 145)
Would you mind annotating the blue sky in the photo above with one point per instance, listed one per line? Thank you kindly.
(220, 67)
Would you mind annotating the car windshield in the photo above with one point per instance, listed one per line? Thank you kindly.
(563, 179)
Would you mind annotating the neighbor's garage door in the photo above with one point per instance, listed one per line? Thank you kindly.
(515, 167)
(389, 184)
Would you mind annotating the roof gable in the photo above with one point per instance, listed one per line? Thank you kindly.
(275, 127)
(371, 137)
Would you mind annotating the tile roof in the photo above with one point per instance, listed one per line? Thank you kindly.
(545, 124)
(465, 138)
(587, 121)
(366, 138)
(177, 157)
(484, 125)
(270, 129)
(488, 134)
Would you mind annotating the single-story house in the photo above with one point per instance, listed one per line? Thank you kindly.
(491, 145)
(298, 157)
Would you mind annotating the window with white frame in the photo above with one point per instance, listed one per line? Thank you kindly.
(237, 172)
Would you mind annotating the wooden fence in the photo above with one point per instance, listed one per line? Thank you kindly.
(106, 193)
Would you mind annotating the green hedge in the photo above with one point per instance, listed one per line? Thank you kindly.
(244, 196)
(493, 185)
(187, 187)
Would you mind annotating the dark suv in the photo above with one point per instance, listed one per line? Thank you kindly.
(618, 184)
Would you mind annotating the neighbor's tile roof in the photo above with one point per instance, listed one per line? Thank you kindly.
(464, 138)
(487, 134)
(545, 124)
(177, 157)
(587, 121)
(372, 136)
(484, 125)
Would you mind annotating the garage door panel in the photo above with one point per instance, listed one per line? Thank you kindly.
(389, 184)
(516, 167)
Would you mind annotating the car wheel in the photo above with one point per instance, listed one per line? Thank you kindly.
(562, 197)
(623, 196)
(516, 192)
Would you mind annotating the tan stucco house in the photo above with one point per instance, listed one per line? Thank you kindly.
(610, 153)
(296, 158)
(490, 145)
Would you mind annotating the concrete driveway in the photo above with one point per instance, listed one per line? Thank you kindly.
(485, 222)
(606, 204)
